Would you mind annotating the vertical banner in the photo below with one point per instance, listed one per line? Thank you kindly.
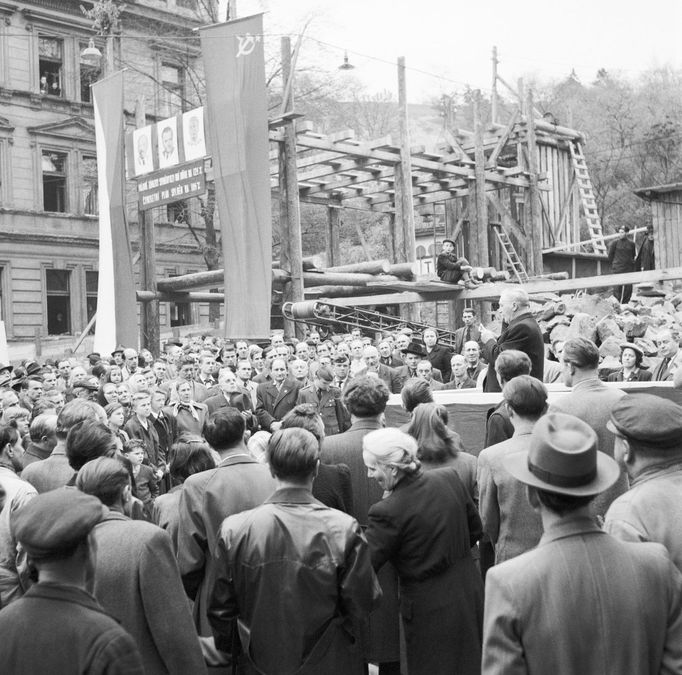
(116, 301)
(237, 118)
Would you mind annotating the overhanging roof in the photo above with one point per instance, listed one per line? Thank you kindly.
(650, 192)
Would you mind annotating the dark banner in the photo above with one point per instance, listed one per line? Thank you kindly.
(171, 185)
(237, 125)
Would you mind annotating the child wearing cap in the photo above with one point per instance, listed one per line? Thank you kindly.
(146, 485)
(452, 269)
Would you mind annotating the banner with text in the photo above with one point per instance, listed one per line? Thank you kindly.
(171, 185)
(237, 123)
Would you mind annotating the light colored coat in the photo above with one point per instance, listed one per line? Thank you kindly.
(583, 603)
(651, 510)
(592, 401)
(513, 526)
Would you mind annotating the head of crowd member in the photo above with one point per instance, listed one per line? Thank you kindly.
(430, 337)
(322, 350)
(8, 399)
(341, 366)
(158, 400)
(186, 369)
(49, 379)
(117, 357)
(370, 355)
(648, 433)
(276, 339)
(108, 479)
(314, 337)
(243, 371)
(64, 368)
(224, 429)
(525, 398)
(356, 333)
(278, 371)
(149, 377)
(33, 388)
(343, 349)
(511, 363)
(623, 231)
(323, 378)
(468, 317)
(228, 382)
(412, 356)
(668, 343)
(325, 361)
(173, 353)
(78, 374)
(305, 416)
(366, 397)
(301, 352)
(299, 370)
(43, 432)
(424, 370)
(458, 365)
(116, 416)
(99, 370)
(6, 374)
(133, 450)
(283, 352)
(258, 446)
(137, 382)
(356, 349)
(437, 443)
(256, 358)
(184, 391)
(293, 457)
(385, 349)
(42, 407)
(115, 375)
(513, 302)
(124, 393)
(242, 349)
(77, 411)
(389, 455)
(415, 391)
(130, 360)
(207, 366)
(11, 449)
(141, 405)
(146, 358)
(557, 347)
(402, 342)
(631, 356)
(88, 440)
(188, 456)
(269, 356)
(229, 355)
(563, 468)
(579, 361)
(17, 417)
(312, 350)
(56, 399)
(53, 529)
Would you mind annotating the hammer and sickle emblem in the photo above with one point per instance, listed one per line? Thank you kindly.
(247, 43)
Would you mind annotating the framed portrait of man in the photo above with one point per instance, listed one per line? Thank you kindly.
(167, 134)
(194, 142)
(143, 160)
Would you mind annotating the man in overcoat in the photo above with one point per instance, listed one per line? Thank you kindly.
(582, 602)
(277, 397)
(519, 331)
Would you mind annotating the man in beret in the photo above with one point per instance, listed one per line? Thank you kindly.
(58, 627)
(582, 601)
(648, 431)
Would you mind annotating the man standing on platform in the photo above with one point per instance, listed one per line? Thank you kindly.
(519, 331)
(622, 261)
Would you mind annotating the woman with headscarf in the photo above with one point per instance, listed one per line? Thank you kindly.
(426, 525)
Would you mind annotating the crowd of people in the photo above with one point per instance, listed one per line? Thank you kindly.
(243, 508)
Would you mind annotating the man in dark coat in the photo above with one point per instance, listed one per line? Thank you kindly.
(293, 542)
(277, 397)
(58, 627)
(327, 401)
(469, 331)
(452, 269)
(438, 355)
(646, 259)
(236, 484)
(366, 399)
(231, 396)
(388, 375)
(519, 331)
(622, 260)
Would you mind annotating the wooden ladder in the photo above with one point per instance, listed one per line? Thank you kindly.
(587, 199)
(510, 253)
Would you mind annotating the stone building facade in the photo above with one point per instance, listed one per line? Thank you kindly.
(48, 176)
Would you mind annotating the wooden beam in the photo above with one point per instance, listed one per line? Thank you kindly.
(564, 209)
(504, 138)
(534, 214)
(333, 226)
(366, 267)
(480, 255)
(508, 218)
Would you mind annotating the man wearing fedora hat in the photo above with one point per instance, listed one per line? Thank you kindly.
(648, 432)
(5, 374)
(582, 602)
(412, 355)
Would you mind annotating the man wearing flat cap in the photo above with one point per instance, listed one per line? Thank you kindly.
(648, 432)
(452, 269)
(58, 626)
(582, 602)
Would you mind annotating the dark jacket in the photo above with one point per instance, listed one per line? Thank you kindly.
(390, 377)
(524, 334)
(241, 402)
(187, 418)
(426, 527)
(622, 256)
(461, 339)
(333, 412)
(272, 404)
(638, 375)
(646, 259)
(207, 498)
(62, 629)
(133, 427)
(439, 357)
(333, 488)
(449, 267)
(293, 576)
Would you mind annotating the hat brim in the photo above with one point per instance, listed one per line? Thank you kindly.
(9, 369)
(608, 472)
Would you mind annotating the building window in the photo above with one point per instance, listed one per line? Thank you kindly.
(91, 282)
(57, 283)
(180, 312)
(89, 202)
(177, 212)
(172, 87)
(51, 65)
(89, 74)
(54, 181)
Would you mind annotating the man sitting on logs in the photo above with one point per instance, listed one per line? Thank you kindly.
(452, 269)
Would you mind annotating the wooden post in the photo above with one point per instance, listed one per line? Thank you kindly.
(38, 341)
(534, 206)
(493, 100)
(333, 223)
(149, 312)
(481, 220)
(290, 225)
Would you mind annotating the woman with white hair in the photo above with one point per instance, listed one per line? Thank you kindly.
(425, 526)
